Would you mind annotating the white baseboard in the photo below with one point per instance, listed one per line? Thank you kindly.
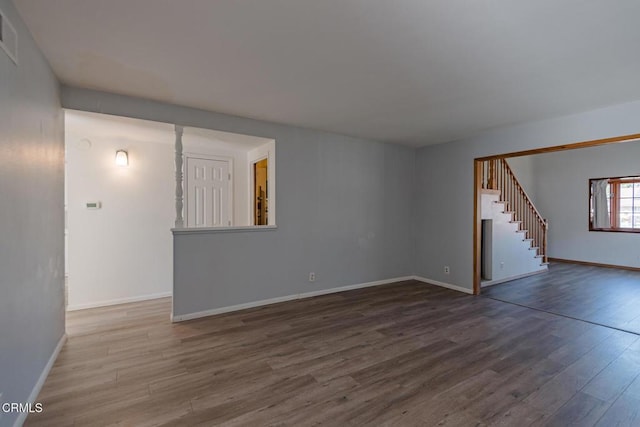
(190, 316)
(118, 301)
(443, 284)
(486, 283)
(43, 377)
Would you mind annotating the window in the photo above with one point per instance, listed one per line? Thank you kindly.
(614, 204)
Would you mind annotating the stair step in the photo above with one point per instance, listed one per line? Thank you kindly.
(534, 248)
(524, 240)
(521, 231)
(544, 263)
(540, 256)
(515, 222)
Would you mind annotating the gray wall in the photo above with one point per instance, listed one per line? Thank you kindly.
(31, 220)
(562, 196)
(524, 169)
(344, 212)
(444, 209)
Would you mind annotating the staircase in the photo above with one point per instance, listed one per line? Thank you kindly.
(515, 221)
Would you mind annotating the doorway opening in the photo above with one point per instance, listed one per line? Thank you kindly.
(260, 192)
(119, 197)
(480, 176)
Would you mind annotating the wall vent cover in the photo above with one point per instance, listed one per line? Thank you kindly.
(8, 38)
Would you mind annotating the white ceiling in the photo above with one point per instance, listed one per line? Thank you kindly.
(409, 71)
(83, 125)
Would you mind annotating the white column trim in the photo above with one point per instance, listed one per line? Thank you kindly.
(179, 179)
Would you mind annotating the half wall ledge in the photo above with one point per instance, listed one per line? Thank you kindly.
(214, 230)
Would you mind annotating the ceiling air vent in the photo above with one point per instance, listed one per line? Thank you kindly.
(8, 38)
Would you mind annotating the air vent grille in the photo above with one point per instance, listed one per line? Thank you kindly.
(8, 38)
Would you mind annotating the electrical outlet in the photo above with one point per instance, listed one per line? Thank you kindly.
(446, 269)
(312, 277)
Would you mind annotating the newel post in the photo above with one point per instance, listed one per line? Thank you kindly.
(179, 187)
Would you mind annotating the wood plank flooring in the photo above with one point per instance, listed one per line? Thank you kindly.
(606, 296)
(402, 354)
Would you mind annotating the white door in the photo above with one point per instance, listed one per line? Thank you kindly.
(208, 193)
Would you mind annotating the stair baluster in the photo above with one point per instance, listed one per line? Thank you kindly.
(497, 175)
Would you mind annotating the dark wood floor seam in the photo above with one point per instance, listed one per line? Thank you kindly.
(601, 296)
(560, 314)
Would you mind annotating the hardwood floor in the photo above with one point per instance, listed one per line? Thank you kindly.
(606, 296)
(402, 354)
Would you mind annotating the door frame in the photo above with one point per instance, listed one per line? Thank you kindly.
(477, 184)
(229, 160)
(252, 185)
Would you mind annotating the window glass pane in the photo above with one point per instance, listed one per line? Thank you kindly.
(636, 220)
(626, 190)
(625, 220)
(636, 190)
(626, 205)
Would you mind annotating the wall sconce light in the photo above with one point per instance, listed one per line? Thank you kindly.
(122, 158)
